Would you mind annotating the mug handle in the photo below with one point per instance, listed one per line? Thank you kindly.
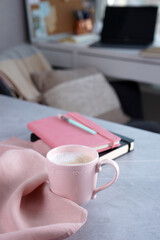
(99, 168)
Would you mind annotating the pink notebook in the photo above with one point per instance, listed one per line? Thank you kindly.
(56, 132)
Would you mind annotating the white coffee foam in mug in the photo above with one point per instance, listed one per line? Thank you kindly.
(66, 158)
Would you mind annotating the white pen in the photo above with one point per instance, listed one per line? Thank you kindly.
(77, 124)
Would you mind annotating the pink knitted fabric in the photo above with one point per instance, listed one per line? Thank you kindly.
(28, 209)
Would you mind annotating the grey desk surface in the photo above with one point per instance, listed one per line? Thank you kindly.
(129, 209)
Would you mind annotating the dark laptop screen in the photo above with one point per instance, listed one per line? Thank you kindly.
(129, 25)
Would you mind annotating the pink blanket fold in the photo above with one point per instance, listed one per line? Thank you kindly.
(28, 209)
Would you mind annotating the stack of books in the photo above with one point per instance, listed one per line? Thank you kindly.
(74, 128)
(151, 52)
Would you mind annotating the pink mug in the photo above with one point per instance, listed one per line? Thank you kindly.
(76, 181)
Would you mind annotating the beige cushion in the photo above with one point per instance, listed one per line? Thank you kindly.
(91, 95)
(116, 115)
(48, 79)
